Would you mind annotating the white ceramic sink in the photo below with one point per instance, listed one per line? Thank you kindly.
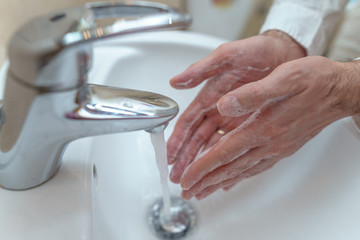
(314, 194)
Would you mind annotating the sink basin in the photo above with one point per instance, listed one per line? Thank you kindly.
(106, 184)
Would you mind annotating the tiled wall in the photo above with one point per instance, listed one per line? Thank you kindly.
(14, 13)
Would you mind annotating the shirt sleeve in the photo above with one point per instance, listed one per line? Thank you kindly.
(309, 22)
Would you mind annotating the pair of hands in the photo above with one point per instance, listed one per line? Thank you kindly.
(267, 103)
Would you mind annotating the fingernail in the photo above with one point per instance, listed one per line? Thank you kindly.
(172, 152)
(226, 189)
(182, 84)
(186, 185)
(174, 177)
(186, 195)
(171, 160)
(201, 196)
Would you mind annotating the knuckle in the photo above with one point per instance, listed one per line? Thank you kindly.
(199, 137)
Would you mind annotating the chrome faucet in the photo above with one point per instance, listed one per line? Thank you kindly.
(47, 100)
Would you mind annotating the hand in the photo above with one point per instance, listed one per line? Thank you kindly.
(287, 108)
(227, 68)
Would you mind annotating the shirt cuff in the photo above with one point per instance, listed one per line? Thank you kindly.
(302, 23)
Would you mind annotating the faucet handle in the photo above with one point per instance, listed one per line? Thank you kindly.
(124, 18)
(39, 43)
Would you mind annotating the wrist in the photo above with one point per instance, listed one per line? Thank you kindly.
(287, 44)
(347, 76)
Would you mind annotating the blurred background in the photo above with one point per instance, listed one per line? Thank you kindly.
(228, 19)
(210, 16)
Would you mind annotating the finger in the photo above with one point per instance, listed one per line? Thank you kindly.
(184, 128)
(228, 188)
(211, 189)
(236, 167)
(193, 115)
(256, 95)
(229, 183)
(217, 134)
(224, 128)
(228, 148)
(203, 105)
(214, 138)
(192, 147)
(206, 133)
(198, 72)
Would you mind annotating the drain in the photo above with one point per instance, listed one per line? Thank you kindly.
(178, 225)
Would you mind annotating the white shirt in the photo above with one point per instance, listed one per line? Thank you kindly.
(309, 22)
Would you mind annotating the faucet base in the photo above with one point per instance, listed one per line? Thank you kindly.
(32, 187)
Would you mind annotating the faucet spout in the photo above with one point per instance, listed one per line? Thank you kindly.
(130, 110)
(47, 100)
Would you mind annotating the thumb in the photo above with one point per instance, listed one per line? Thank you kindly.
(256, 95)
